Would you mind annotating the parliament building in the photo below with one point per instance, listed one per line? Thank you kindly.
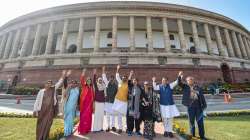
(153, 39)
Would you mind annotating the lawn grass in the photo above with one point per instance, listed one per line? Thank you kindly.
(217, 128)
(21, 128)
(224, 128)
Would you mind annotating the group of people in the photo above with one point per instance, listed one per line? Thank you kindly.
(115, 97)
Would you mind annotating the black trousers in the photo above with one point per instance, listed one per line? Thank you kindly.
(133, 123)
(195, 113)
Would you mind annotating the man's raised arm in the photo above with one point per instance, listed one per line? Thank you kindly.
(117, 75)
(82, 77)
(155, 86)
(104, 76)
(60, 81)
(177, 81)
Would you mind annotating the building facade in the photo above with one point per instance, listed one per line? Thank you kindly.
(153, 39)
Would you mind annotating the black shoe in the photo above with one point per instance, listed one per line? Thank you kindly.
(119, 131)
(170, 134)
(113, 129)
(107, 130)
(130, 133)
(165, 134)
(138, 133)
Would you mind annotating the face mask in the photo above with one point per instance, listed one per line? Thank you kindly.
(88, 82)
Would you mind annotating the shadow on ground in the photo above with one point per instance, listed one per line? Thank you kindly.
(115, 136)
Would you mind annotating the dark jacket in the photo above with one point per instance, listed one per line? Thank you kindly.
(111, 92)
(186, 99)
(166, 93)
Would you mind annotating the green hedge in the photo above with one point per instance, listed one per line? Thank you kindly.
(223, 114)
(210, 88)
(23, 90)
(242, 86)
(214, 114)
(14, 115)
(207, 88)
(231, 113)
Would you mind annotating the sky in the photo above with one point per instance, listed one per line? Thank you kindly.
(237, 10)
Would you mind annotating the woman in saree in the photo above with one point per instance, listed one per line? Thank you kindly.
(86, 104)
(71, 98)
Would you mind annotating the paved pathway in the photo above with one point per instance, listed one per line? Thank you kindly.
(115, 136)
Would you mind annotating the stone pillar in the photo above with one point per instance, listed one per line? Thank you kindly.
(149, 34)
(25, 42)
(8, 46)
(50, 38)
(219, 41)
(132, 33)
(236, 45)
(64, 37)
(37, 40)
(114, 33)
(166, 35)
(242, 46)
(2, 45)
(246, 46)
(16, 44)
(195, 34)
(80, 35)
(97, 34)
(208, 39)
(229, 44)
(181, 35)
(248, 43)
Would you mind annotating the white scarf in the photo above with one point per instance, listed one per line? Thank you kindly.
(101, 86)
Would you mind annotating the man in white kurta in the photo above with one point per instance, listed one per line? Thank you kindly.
(121, 98)
(167, 105)
(111, 90)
